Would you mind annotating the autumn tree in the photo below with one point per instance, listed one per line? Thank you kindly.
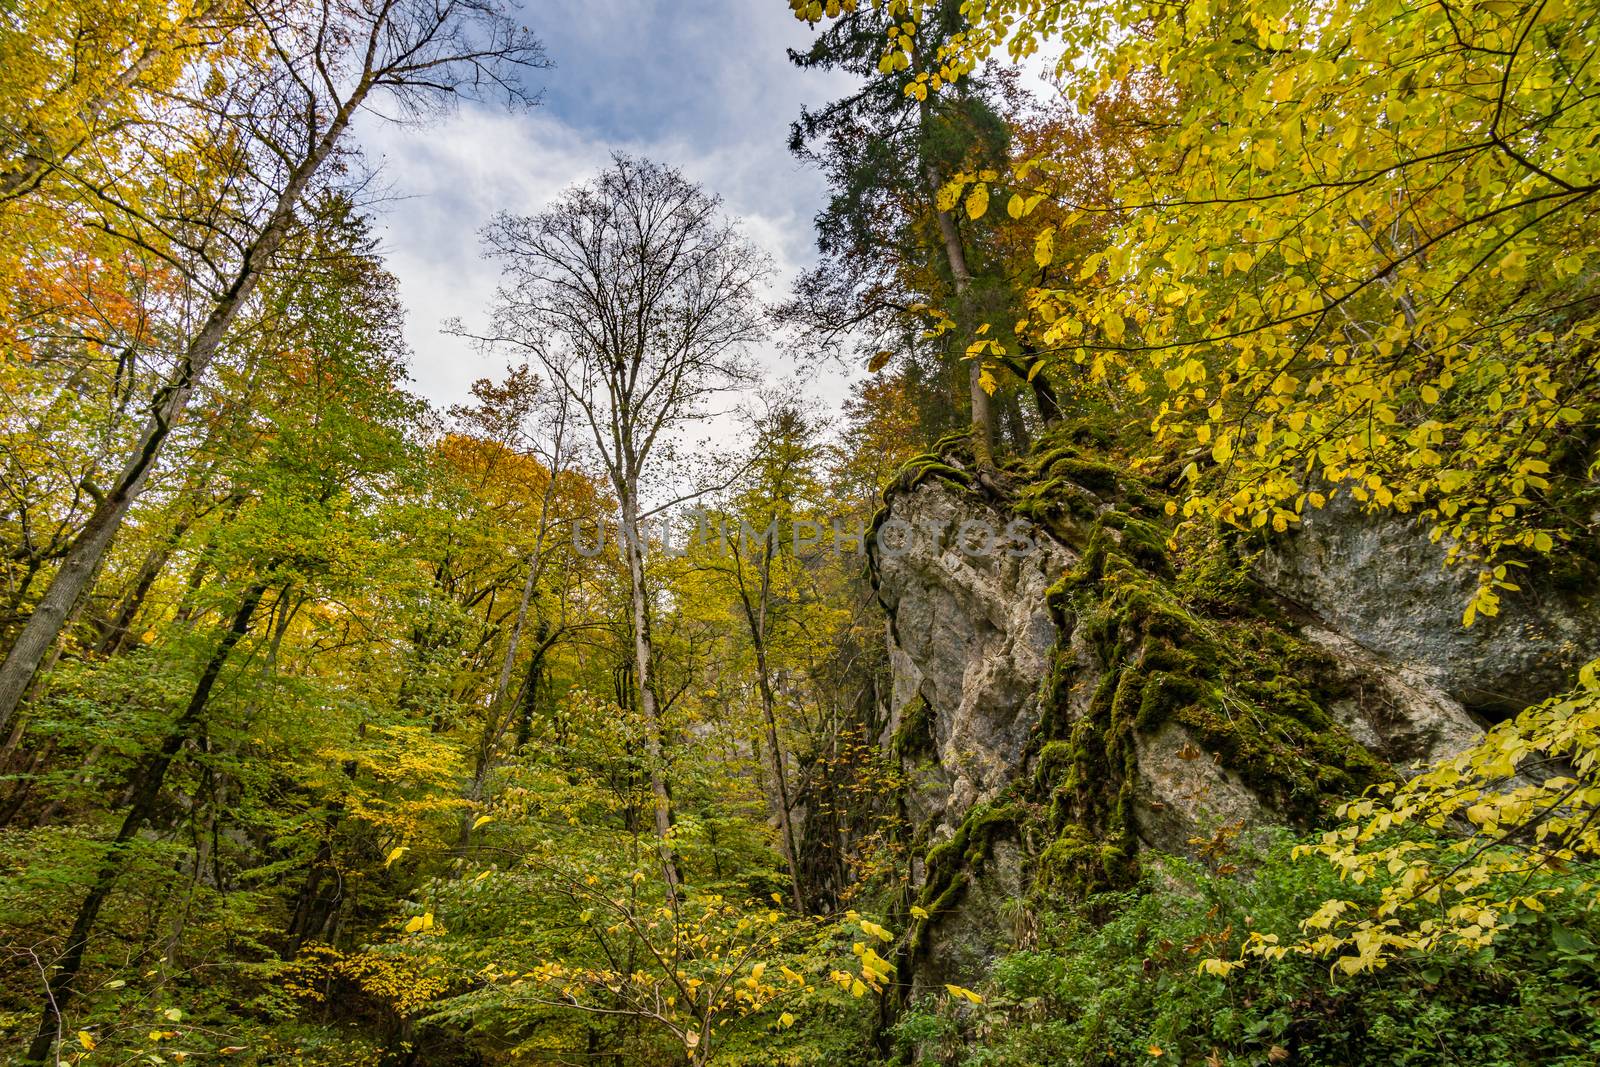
(529, 420)
(271, 129)
(302, 479)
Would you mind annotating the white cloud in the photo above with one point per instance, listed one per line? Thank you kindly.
(712, 93)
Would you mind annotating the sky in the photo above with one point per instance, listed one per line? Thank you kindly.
(703, 85)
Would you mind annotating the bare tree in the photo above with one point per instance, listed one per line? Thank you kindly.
(281, 125)
(639, 300)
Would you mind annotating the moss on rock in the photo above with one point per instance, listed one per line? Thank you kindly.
(1174, 638)
(951, 864)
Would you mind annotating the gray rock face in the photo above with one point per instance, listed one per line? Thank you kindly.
(1397, 712)
(1183, 792)
(969, 634)
(1377, 580)
(971, 642)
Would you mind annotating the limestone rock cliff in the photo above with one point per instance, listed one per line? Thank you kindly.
(1060, 709)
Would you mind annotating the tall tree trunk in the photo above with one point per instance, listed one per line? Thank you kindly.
(147, 791)
(756, 615)
(644, 678)
(779, 776)
(961, 278)
(167, 406)
(499, 715)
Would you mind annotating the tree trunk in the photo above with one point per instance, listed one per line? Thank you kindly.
(148, 790)
(643, 656)
(499, 718)
(961, 278)
(1044, 394)
(779, 777)
(756, 617)
(529, 696)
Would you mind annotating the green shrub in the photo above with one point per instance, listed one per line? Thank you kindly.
(1126, 987)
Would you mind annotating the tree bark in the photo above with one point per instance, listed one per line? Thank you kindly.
(756, 617)
(961, 278)
(644, 679)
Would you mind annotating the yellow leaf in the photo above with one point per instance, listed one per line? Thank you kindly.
(482, 820)
(86, 1039)
(978, 201)
(1044, 247)
(786, 1020)
(949, 194)
(918, 912)
(1514, 265)
(395, 854)
(1015, 206)
(414, 924)
(1114, 327)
